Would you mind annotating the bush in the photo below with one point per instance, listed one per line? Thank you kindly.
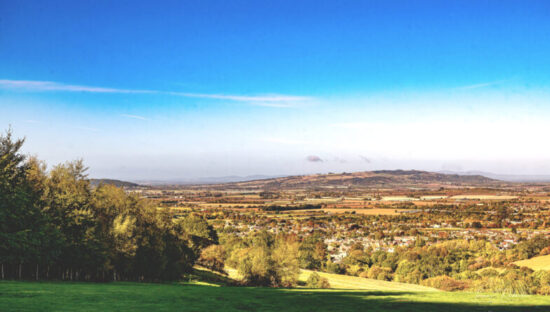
(503, 285)
(445, 282)
(379, 273)
(488, 272)
(334, 268)
(316, 281)
(542, 278)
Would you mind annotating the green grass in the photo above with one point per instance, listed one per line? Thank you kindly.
(64, 296)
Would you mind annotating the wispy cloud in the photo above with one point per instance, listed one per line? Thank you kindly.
(481, 85)
(134, 116)
(260, 100)
(55, 86)
(274, 100)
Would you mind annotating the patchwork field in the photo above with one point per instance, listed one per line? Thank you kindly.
(374, 211)
(484, 197)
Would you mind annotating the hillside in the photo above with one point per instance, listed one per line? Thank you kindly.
(340, 281)
(536, 263)
(366, 179)
(118, 183)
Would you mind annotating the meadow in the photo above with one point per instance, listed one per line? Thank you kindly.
(536, 263)
(124, 296)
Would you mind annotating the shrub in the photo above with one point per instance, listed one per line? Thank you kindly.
(489, 272)
(379, 273)
(316, 281)
(542, 278)
(504, 285)
(446, 283)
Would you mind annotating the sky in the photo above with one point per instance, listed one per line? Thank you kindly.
(180, 90)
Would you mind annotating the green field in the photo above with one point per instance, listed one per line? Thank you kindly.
(64, 296)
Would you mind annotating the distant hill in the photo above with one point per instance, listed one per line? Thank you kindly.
(381, 178)
(207, 180)
(118, 183)
(533, 178)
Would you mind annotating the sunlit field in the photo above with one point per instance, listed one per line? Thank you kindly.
(536, 263)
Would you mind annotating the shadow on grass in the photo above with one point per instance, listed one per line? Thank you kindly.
(47, 296)
(204, 275)
(265, 299)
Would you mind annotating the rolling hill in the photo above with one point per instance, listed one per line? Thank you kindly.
(118, 183)
(366, 179)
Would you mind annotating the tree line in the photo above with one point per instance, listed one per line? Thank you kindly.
(55, 225)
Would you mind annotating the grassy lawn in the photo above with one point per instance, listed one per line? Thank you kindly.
(63, 296)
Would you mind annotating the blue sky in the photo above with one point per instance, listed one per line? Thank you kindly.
(181, 89)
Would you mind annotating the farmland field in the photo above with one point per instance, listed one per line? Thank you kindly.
(484, 197)
(51, 296)
(374, 211)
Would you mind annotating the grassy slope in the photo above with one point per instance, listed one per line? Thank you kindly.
(536, 263)
(63, 296)
(353, 282)
(338, 281)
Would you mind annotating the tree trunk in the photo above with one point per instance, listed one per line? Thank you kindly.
(37, 271)
(2, 271)
(20, 270)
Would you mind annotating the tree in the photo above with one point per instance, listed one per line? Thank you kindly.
(23, 232)
(266, 260)
(213, 257)
(312, 252)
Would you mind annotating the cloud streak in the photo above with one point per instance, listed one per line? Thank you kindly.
(134, 116)
(481, 85)
(274, 100)
(30, 85)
